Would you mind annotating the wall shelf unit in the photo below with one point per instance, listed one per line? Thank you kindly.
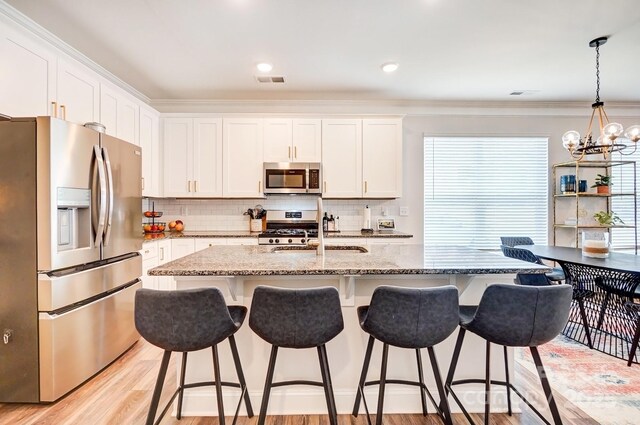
(573, 210)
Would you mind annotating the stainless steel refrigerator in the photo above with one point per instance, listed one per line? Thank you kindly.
(70, 215)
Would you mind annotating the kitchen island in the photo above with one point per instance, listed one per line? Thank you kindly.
(237, 270)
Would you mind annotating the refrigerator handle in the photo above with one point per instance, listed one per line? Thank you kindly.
(103, 195)
(107, 226)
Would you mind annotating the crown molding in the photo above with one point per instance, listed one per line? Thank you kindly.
(390, 107)
(24, 22)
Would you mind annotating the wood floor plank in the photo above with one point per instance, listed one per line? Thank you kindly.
(120, 395)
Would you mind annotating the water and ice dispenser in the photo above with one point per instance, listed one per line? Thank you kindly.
(74, 218)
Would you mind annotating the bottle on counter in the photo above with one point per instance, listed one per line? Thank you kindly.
(337, 224)
(325, 223)
(331, 224)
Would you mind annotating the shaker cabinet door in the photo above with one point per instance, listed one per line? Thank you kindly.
(342, 158)
(242, 151)
(176, 144)
(78, 93)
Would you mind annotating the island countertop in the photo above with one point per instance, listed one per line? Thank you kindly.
(392, 259)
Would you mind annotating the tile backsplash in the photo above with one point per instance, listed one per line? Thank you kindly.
(227, 214)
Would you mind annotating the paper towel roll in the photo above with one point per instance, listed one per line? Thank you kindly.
(366, 219)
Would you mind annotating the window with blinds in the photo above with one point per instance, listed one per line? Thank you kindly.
(477, 189)
(623, 206)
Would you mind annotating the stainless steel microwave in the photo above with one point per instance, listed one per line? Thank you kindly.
(292, 177)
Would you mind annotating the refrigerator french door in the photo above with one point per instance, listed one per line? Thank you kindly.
(69, 261)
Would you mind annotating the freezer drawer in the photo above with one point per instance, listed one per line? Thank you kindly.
(76, 345)
(56, 292)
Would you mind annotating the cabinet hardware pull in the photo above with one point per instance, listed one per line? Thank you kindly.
(365, 186)
(289, 154)
(143, 183)
(54, 109)
(195, 185)
(161, 253)
(325, 186)
(188, 185)
(259, 185)
(63, 112)
(295, 152)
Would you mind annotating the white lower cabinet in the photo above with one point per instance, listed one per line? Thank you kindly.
(149, 260)
(181, 247)
(242, 241)
(204, 243)
(164, 256)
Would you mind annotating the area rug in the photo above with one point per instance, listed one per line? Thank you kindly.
(601, 385)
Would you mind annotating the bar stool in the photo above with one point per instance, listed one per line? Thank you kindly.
(513, 316)
(185, 321)
(512, 241)
(411, 318)
(297, 318)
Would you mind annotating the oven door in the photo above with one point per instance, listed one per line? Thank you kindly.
(284, 178)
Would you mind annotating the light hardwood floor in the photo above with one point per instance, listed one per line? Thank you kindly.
(121, 393)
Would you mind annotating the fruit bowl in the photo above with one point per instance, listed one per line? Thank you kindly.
(154, 214)
(157, 227)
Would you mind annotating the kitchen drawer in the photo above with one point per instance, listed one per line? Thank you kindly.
(149, 250)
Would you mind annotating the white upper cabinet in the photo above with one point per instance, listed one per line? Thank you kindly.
(382, 158)
(192, 151)
(243, 157)
(177, 139)
(119, 114)
(150, 143)
(292, 140)
(207, 157)
(78, 93)
(342, 158)
(27, 76)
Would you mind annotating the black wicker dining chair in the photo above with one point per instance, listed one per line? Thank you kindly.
(516, 240)
(634, 310)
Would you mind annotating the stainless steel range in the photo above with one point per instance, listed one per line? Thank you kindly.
(289, 227)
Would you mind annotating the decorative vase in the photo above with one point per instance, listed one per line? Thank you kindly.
(595, 244)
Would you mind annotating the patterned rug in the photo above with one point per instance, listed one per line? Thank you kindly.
(601, 385)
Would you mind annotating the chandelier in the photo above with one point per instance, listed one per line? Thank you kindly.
(608, 140)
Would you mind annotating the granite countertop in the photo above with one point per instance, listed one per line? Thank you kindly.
(149, 237)
(391, 259)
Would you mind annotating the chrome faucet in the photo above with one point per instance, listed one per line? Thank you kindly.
(317, 244)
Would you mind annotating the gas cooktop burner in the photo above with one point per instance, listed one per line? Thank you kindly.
(285, 236)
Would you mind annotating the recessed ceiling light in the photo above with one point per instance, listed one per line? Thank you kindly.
(389, 66)
(264, 67)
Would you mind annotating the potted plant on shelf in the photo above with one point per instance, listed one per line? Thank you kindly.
(607, 218)
(602, 184)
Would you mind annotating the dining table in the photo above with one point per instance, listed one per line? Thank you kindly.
(615, 281)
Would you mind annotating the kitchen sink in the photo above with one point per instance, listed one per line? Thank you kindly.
(347, 249)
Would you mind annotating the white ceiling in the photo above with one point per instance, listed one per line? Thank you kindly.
(332, 49)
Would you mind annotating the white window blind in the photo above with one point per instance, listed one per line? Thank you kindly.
(477, 189)
(623, 206)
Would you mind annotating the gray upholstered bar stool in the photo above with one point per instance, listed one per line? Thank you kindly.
(411, 318)
(513, 316)
(184, 321)
(297, 318)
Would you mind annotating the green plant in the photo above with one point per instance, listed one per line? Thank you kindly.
(602, 180)
(607, 219)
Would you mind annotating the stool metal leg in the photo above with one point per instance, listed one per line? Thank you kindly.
(634, 344)
(328, 386)
(267, 384)
(423, 397)
(383, 377)
(585, 322)
(157, 391)
(216, 373)
(243, 383)
(444, 403)
(545, 386)
(454, 359)
(363, 375)
(506, 378)
(181, 393)
(487, 386)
